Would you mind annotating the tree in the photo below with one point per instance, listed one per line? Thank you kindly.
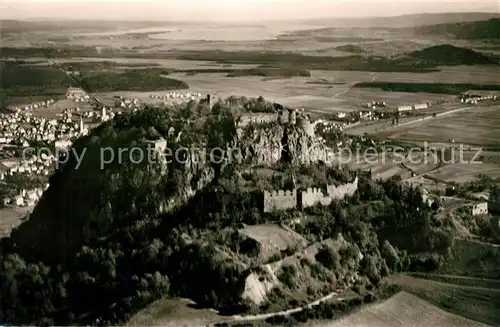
(390, 255)
(329, 258)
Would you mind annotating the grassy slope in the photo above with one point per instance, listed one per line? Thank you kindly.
(475, 303)
(474, 259)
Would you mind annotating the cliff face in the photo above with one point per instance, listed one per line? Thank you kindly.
(272, 143)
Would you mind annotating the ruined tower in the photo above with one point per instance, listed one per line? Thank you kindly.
(292, 113)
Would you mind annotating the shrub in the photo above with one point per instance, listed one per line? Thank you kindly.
(328, 258)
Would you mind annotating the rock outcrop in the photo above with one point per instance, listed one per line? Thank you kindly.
(269, 144)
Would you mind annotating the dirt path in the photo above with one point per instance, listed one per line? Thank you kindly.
(263, 316)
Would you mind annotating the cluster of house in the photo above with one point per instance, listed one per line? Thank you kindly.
(42, 104)
(104, 115)
(376, 104)
(177, 95)
(20, 128)
(77, 94)
(128, 103)
(474, 99)
(36, 165)
(26, 198)
(292, 199)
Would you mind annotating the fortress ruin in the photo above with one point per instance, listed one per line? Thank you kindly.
(290, 116)
(285, 200)
(280, 200)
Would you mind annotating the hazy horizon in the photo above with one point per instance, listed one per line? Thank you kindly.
(230, 11)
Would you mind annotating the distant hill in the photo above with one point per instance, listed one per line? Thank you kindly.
(405, 21)
(350, 48)
(447, 54)
(486, 29)
(9, 26)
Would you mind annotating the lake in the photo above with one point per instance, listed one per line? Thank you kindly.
(213, 32)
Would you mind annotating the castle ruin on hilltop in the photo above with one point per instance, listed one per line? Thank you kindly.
(285, 200)
(284, 116)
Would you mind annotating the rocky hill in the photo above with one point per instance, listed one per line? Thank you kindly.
(111, 236)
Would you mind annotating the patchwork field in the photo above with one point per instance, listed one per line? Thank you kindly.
(475, 126)
(403, 309)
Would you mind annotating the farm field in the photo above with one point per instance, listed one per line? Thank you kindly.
(476, 126)
(297, 92)
(467, 166)
(389, 313)
(473, 302)
(382, 166)
(421, 162)
(461, 173)
(457, 74)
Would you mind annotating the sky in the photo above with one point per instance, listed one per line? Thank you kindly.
(231, 10)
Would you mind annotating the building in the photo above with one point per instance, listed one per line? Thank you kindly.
(280, 200)
(420, 106)
(75, 92)
(404, 108)
(479, 209)
(62, 144)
